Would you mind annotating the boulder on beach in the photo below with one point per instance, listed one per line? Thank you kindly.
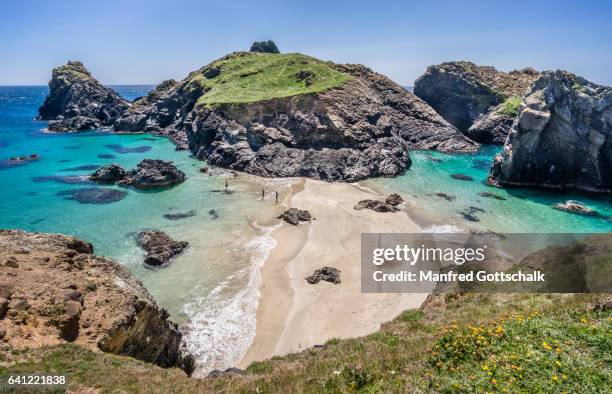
(159, 246)
(294, 216)
(462, 177)
(394, 199)
(328, 274)
(375, 205)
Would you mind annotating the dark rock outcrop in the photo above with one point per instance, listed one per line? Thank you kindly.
(264, 47)
(562, 138)
(111, 173)
(77, 101)
(159, 246)
(394, 199)
(362, 128)
(328, 274)
(294, 216)
(375, 205)
(81, 298)
(147, 174)
(462, 92)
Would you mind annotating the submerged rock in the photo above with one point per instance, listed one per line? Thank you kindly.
(179, 215)
(462, 92)
(462, 177)
(375, 205)
(159, 246)
(573, 206)
(562, 138)
(491, 195)
(19, 160)
(77, 101)
(70, 180)
(93, 195)
(294, 216)
(446, 196)
(121, 149)
(328, 274)
(81, 298)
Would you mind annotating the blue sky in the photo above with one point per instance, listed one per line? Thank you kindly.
(148, 41)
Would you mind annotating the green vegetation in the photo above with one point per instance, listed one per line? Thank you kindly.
(251, 77)
(511, 106)
(461, 343)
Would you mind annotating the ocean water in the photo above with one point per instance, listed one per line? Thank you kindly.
(520, 211)
(211, 290)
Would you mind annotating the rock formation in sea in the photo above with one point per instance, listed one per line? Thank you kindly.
(562, 139)
(148, 174)
(479, 100)
(77, 101)
(80, 298)
(281, 115)
(160, 247)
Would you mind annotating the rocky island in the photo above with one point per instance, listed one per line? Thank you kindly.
(481, 101)
(80, 298)
(562, 139)
(278, 115)
(77, 101)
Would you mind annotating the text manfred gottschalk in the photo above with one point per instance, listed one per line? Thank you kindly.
(481, 262)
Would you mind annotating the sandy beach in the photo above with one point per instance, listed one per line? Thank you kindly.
(294, 315)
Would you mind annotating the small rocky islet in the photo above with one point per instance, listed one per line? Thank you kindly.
(148, 174)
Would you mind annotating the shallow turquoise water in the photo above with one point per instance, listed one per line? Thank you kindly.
(523, 210)
(211, 289)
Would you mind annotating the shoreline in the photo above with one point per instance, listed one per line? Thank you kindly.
(293, 315)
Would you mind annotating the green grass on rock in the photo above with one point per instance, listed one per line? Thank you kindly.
(252, 77)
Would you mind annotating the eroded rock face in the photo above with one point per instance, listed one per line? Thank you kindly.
(81, 298)
(562, 138)
(77, 101)
(160, 247)
(462, 92)
(361, 129)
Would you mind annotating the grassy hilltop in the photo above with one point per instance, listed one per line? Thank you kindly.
(469, 343)
(251, 77)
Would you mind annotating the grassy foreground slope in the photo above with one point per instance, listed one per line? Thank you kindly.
(248, 77)
(467, 343)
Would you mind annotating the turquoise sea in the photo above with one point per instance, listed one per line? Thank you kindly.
(514, 211)
(212, 288)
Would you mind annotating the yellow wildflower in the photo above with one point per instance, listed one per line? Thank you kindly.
(546, 346)
(583, 320)
(485, 367)
(554, 378)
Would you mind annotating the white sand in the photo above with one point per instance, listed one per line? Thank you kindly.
(294, 315)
